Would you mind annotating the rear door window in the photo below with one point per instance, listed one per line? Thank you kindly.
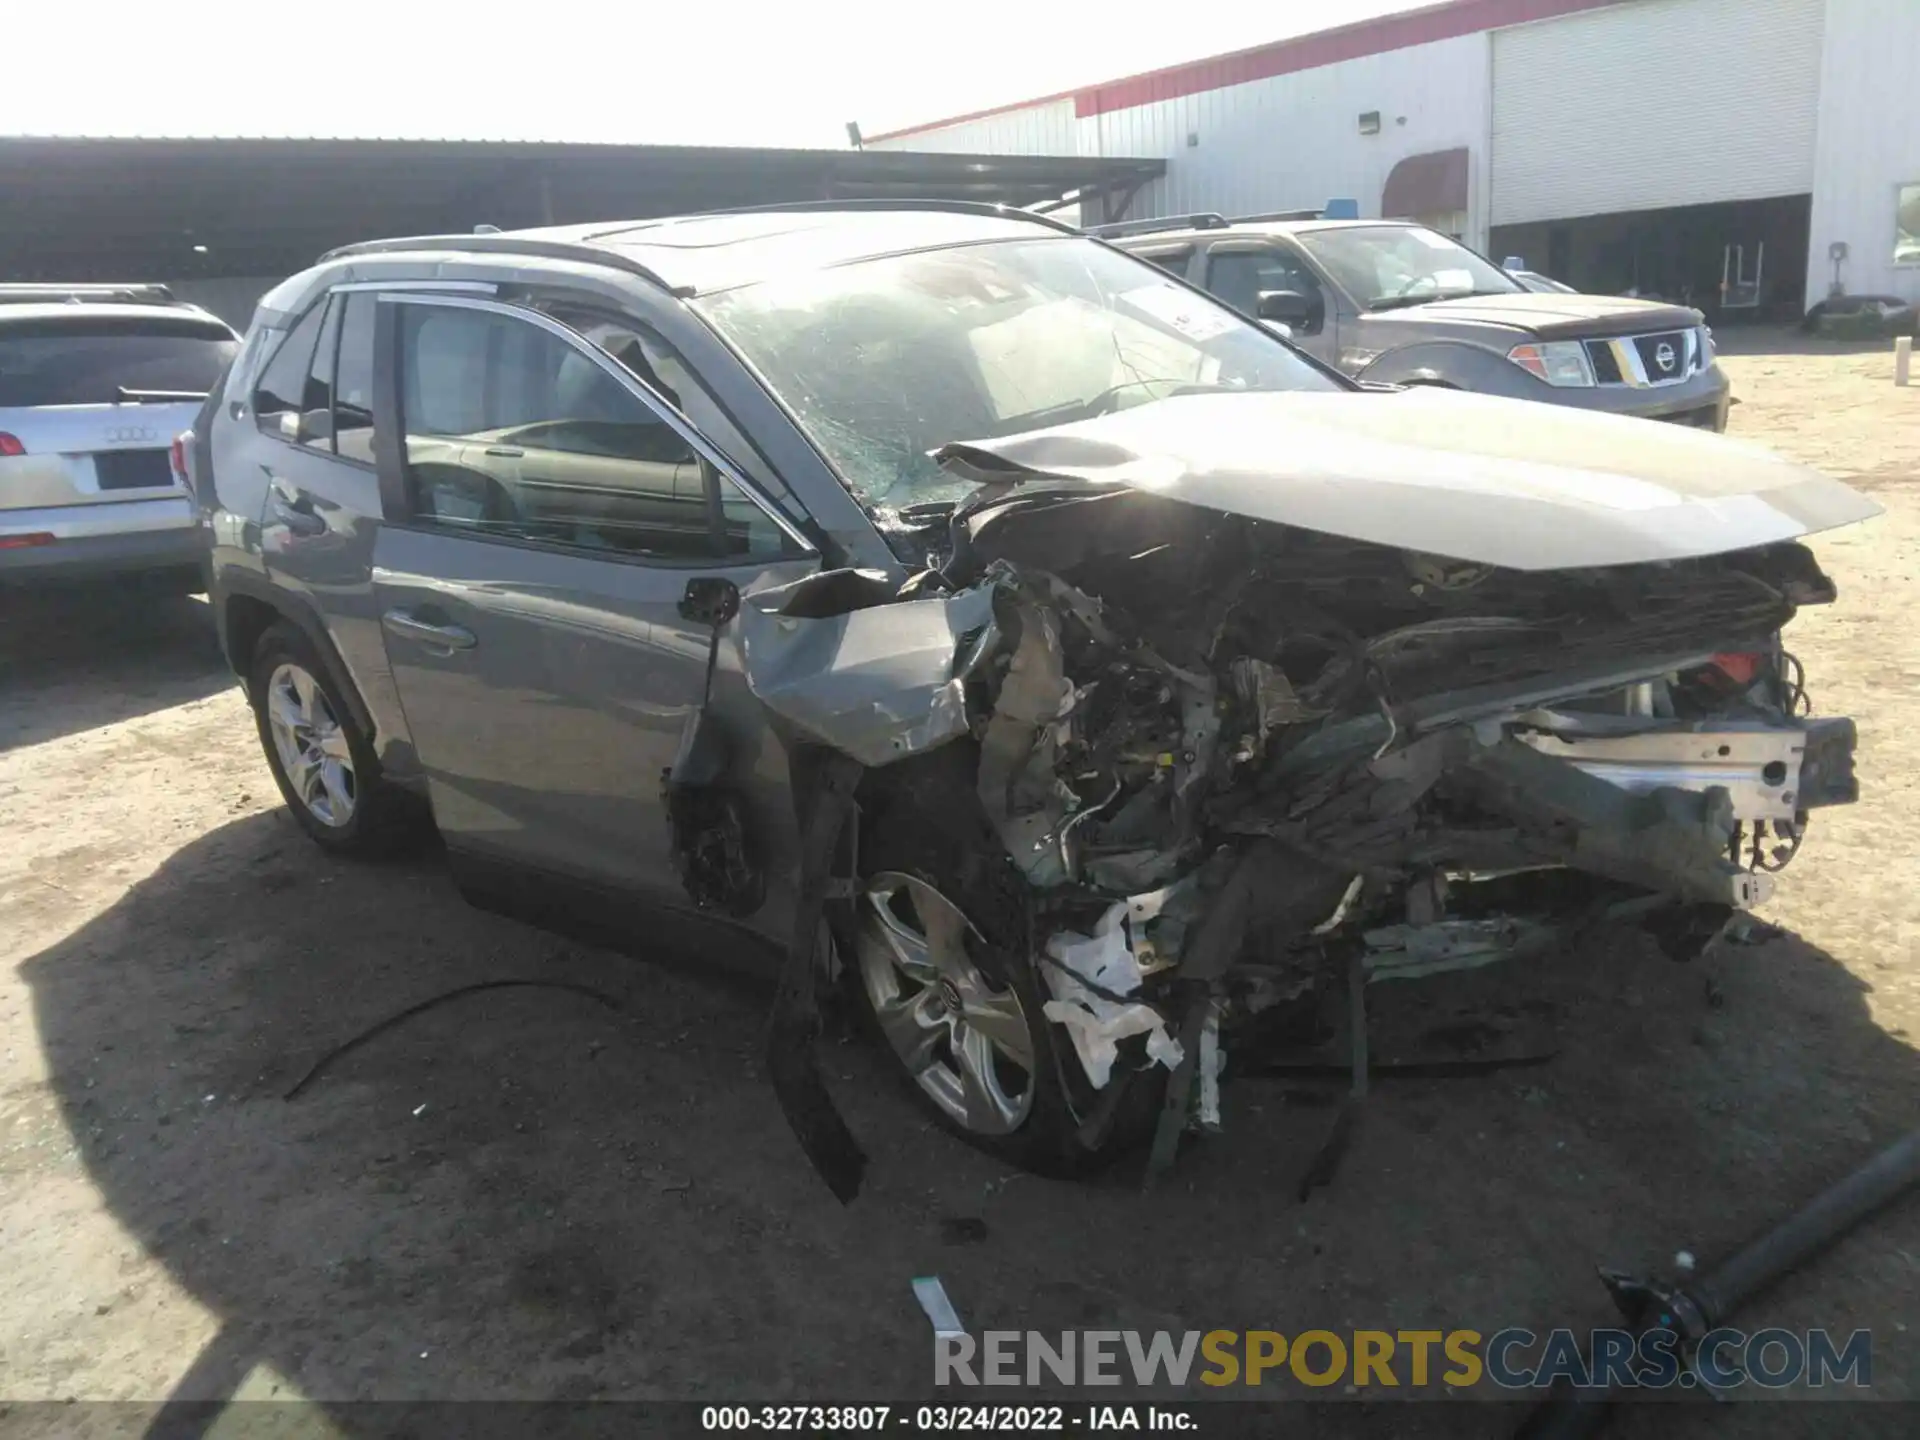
(92, 359)
(281, 397)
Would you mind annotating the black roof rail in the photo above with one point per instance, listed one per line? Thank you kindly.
(957, 207)
(586, 254)
(1316, 213)
(1206, 220)
(24, 293)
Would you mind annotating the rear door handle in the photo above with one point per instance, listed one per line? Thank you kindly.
(442, 637)
(294, 509)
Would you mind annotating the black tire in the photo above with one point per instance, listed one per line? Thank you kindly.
(922, 818)
(383, 818)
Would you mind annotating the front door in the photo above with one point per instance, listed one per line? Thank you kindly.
(1239, 270)
(550, 516)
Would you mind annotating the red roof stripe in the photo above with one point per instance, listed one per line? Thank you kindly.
(1284, 57)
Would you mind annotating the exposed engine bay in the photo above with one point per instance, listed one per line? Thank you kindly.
(1226, 757)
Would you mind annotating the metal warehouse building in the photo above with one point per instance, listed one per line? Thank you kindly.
(1741, 154)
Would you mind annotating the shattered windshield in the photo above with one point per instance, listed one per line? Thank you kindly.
(885, 360)
(1388, 267)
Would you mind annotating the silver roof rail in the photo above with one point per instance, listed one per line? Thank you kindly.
(27, 293)
(1316, 213)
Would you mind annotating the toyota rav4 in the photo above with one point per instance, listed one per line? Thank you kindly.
(1000, 626)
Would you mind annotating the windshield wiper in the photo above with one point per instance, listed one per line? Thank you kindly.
(1101, 404)
(1401, 302)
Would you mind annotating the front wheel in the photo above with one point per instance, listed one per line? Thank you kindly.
(939, 968)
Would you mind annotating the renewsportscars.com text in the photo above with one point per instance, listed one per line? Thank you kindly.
(1511, 1359)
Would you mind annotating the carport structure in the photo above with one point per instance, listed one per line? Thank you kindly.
(227, 209)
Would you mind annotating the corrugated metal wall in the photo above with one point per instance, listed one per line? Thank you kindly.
(1294, 140)
(1867, 145)
(1667, 102)
(1046, 128)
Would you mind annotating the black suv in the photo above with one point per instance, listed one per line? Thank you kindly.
(1397, 303)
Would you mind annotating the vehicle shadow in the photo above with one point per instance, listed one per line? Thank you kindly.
(528, 1195)
(1779, 340)
(74, 659)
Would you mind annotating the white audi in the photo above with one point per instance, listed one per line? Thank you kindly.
(96, 383)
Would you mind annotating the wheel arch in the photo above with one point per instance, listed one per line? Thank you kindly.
(1453, 364)
(247, 612)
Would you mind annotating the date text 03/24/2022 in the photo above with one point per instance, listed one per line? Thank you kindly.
(943, 1419)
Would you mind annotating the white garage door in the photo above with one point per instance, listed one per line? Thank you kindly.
(1654, 103)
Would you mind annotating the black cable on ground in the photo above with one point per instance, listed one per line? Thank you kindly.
(313, 1071)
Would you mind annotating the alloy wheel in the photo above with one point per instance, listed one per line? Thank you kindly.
(313, 750)
(965, 1041)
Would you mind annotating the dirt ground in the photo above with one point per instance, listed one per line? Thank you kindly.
(526, 1195)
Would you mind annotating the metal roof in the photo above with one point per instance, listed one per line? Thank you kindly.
(161, 209)
(1394, 31)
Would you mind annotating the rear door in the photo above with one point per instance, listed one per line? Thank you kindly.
(320, 501)
(546, 512)
(90, 403)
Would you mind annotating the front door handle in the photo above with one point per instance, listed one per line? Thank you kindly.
(442, 637)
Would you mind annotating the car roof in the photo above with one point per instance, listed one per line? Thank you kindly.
(705, 254)
(39, 313)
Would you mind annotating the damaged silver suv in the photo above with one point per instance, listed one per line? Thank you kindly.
(1002, 627)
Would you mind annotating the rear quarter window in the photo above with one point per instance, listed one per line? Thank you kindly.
(88, 360)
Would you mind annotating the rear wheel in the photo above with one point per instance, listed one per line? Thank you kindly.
(321, 759)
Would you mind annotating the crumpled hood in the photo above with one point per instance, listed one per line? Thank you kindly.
(1515, 483)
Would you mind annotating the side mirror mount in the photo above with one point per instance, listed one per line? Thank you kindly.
(1280, 328)
(1288, 307)
(710, 600)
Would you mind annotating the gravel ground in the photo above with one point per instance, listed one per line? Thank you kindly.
(529, 1196)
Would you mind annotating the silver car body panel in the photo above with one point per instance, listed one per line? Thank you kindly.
(1472, 477)
(879, 684)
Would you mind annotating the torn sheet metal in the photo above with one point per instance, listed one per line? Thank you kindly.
(1023, 797)
(1157, 921)
(823, 802)
(878, 684)
(1270, 699)
(1097, 1022)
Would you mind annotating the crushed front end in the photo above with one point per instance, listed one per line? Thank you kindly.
(1228, 759)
